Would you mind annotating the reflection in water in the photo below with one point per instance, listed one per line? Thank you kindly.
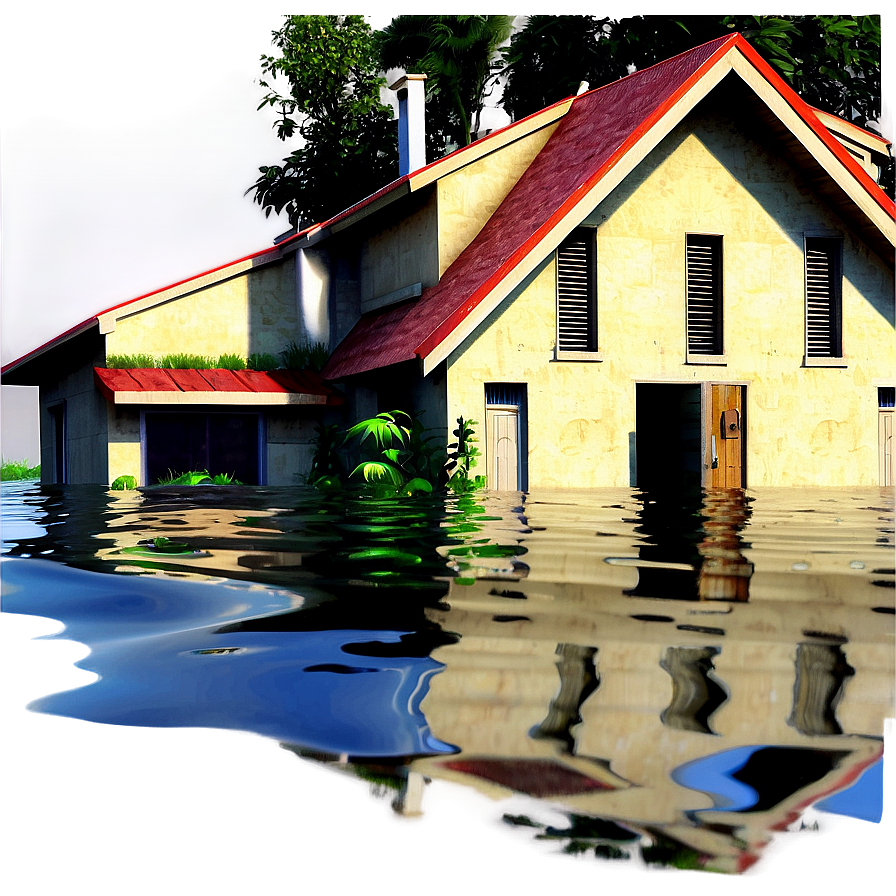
(678, 675)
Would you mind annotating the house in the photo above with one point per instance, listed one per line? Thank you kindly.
(685, 275)
(98, 423)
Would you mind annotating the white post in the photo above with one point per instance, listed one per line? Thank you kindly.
(411, 123)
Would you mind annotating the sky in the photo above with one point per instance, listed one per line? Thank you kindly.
(127, 140)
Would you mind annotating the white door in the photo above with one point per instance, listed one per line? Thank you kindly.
(502, 425)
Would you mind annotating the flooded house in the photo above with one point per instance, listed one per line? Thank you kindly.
(685, 275)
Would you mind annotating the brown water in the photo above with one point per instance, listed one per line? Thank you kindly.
(663, 679)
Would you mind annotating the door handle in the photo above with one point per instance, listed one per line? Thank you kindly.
(715, 457)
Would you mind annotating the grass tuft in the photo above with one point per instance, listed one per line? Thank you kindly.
(263, 361)
(125, 362)
(307, 356)
(231, 362)
(181, 361)
(15, 470)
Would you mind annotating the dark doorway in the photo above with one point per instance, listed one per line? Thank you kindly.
(668, 435)
(219, 443)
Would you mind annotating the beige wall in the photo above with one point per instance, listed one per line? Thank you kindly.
(253, 312)
(469, 196)
(403, 252)
(813, 426)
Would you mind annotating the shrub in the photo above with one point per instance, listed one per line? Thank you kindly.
(14, 470)
(262, 361)
(124, 362)
(124, 483)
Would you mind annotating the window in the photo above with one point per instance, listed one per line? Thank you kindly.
(505, 435)
(823, 325)
(577, 292)
(216, 442)
(704, 294)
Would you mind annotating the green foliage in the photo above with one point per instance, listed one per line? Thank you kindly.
(231, 362)
(198, 477)
(182, 361)
(326, 464)
(833, 62)
(307, 356)
(456, 53)
(462, 456)
(262, 361)
(14, 470)
(129, 362)
(329, 69)
(124, 483)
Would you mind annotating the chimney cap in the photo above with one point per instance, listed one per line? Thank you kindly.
(402, 81)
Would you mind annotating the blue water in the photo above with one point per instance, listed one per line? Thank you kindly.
(488, 640)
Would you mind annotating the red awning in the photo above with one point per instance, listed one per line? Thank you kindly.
(154, 386)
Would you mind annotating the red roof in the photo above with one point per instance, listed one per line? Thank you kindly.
(141, 385)
(600, 127)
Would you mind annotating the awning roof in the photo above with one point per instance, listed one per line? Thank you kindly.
(154, 386)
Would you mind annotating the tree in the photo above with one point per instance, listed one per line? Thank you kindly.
(330, 67)
(456, 54)
(833, 62)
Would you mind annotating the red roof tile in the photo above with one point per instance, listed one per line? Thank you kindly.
(242, 383)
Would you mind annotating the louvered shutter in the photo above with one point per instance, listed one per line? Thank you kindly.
(704, 294)
(822, 298)
(576, 293)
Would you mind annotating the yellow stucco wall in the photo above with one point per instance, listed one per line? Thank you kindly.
(815, 426)
(469, 196)
(253, 312)
(402, 253)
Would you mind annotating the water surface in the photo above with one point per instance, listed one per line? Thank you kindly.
(663, 679)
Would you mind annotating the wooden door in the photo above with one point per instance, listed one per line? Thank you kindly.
(885, 446)
(503, 434)
(725, 435)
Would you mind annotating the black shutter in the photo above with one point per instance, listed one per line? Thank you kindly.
(822, 298)
(577, 293)
(704, 294)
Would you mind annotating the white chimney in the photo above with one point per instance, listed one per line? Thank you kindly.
(411, 123)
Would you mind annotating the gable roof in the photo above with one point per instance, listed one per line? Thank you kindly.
(604, 134)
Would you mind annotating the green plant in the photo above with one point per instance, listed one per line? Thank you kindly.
(231, 362)
(198, 477)
(326, 464)
(124, 483)
(125, 362)
(181, 361)
(462, 456)
(262, 361)
(307, 356)
(13, 470)
(391, 440)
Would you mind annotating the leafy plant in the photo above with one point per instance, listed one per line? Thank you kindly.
(462, 456)
(180, 361)
(13, 470)
(307, 356)
(129, 362)
(326, 464)
(198, 477)
(231, 362)
(262, 361)
(124, 483)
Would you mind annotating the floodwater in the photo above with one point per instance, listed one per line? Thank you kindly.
(631, 679)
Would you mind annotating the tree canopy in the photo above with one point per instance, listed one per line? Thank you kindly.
(325, 85)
